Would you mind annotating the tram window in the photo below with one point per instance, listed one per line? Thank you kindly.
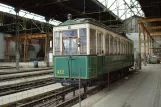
(129, 48)
(123, 47)
(118, 45)
(70, 42)
(57, 43)
(92, 41)
(115, 45)
(126, 48)
(132, 48)
(99, 43)
(83, 41)
(107, 43)
(70, 33)
(111, 45)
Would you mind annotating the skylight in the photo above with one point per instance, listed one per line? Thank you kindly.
(26, 14)
(123, 8)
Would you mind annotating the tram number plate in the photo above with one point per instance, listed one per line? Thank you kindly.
(60, 71)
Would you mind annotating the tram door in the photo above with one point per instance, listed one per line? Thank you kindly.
(70, 49)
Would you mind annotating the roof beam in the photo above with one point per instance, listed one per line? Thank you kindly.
(27, 37)
(155, 33)
(156, 36)
(153, 27)
(155, 48)
(149, 20)
(145, 29)
(129, 7)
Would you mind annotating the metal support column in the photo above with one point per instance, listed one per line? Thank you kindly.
(139, 47)
(144, 47)
(6, 50)
(47, 45)
(148, 37)
(17, 38)
(25, 49)
(148, 43)
(152, 47)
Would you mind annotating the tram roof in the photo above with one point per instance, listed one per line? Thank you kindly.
(90, 21)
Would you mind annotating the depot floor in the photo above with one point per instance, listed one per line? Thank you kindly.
(141, 90)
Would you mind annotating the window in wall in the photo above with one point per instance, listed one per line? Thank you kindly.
(111, 45)
(57, 43)
(92, 41)
(83, 41)
(107, 43)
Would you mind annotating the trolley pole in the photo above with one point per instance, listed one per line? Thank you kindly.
(79, 88)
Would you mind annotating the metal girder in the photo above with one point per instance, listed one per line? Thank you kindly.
(156, 36)
(155, 33)
(25, 24)
(27, 37)
(129, 7)
(149, 20)
(155, 48)
(144, 28)
(153, 27)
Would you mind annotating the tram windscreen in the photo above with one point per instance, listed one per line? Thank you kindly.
(70, 45)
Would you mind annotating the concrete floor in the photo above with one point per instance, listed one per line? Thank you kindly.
(142, 90)
(29, 93)
(24, 73)
(21, 80)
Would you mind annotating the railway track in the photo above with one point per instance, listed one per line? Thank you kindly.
(22, 71)
(55, 95)
(14, 88)
(56, 98)
(23, 75)
(6, 67)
